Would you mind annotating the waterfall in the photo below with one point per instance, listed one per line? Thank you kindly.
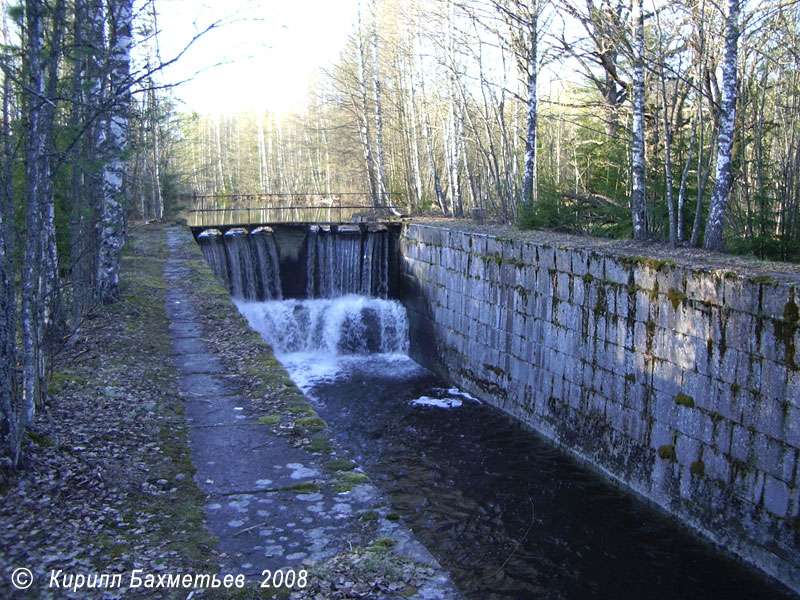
(346, 325)
(347, 261)
(247, 264)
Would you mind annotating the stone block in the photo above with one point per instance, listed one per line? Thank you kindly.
(776, 496)
(477, 243)
(671, 277)
(580, 263)
(773, 379)
(696, 424)
(667, 377)
(546, 257)
(563, 259)
(741, 443)
(636, 426)
(739, 328)
(687, 450)
(727, 404)
(772, 414)
(740, 294)
(728, 362)
(617, 271)
(767, 455)
(643, 307)
(775, 297)
(529, 253)
(511, 251)
(596, 264)
(793, 426)
(704, 287)
(717, 465)
(698, 387)
(664, 408)
(561, 286)
(793, 388)
(722, 435)
(644, 276)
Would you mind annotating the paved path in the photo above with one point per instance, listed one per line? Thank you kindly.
(251, 475)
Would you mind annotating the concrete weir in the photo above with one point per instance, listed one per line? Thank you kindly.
(681, 384)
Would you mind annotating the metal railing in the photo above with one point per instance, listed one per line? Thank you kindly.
(246, 209)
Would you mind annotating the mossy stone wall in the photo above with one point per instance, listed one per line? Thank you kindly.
(683, 384)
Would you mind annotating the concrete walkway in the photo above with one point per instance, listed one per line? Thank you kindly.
(272, 506)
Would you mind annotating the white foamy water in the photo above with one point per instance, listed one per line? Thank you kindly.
(330, 327)
(324, 340)
(450, 398)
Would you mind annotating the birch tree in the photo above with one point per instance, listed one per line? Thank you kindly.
(113, 144)
(638, 201)
(727, 130)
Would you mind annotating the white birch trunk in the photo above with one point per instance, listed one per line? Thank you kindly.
(365, 130)
(112, 217)
(380, 167)
(639, 201)
(529, 176)
(727, 119)
(35, 178)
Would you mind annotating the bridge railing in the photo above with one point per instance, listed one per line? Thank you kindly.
(244, 209)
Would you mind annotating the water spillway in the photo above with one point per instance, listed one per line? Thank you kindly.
(247, 263)
(302, 261)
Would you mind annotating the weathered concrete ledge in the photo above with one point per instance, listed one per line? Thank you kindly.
(681, 383)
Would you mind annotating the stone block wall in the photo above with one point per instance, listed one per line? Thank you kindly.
(682, 384)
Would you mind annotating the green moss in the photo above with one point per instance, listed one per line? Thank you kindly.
(301, 409)
(354, 478)
(794, 523)
(630, 378)
(790, 312)
(392, 517)
(382, 543)
(654, 292)
(270, 420)
(305, 487)
(496, 370)
(698, 468)
(785, 330)
(650, 326)
(588, 278)
(683, 400)
(339, 464)
(318, 444)
(667, 452)
(676, 297)
(762, 279)
(40, 439)
(601, 306)
(369, 516)
(311, 423)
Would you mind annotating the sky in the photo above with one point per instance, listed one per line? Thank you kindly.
(262, 56)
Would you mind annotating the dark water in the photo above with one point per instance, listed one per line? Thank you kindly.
(507, 515)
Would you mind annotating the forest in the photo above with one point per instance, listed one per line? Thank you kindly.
(668, 122)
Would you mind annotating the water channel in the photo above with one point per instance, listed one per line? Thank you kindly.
(509, 516)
